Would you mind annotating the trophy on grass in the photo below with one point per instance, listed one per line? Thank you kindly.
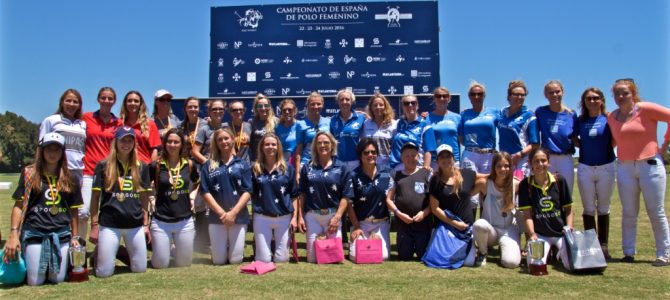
(537, 267)
(77, 260)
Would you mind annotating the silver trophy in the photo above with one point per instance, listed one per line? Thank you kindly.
(537, 266)
(77, 260)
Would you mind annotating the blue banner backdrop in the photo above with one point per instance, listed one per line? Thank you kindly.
(293, 49)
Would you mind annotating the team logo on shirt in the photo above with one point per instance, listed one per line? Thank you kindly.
(419, 187)
(51, 198)
(127, 185)
(545, 204)
(179, 181)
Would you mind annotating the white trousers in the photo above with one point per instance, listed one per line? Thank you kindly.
(381, 229)
(32, 255)
(638, 176)
(84, 210)
(562, 164)
(164, 234)
(478, 162)
(265, 228)
(108, 244)
(316, 225)
(548, 242)
(227, 243)
(596, 184)
(486, 236)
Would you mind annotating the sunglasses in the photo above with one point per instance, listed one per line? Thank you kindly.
(259, 106)
(287, 110)
(593, 98)
(410, 103)
(370, 152)
(237, 110)
(164, 100)
(444, 96)
(218, 109)
(518, 95)
(476, 94)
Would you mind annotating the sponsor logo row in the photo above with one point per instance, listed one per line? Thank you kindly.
(269, 76)
(287, 91)
(329, 60)
(326, 43)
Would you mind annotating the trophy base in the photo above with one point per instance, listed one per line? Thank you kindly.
(79, 276)
(538, 270)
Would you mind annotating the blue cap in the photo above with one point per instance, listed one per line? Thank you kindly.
(409, 145)
(123, 131)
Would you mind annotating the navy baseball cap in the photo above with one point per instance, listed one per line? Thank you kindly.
(124, 131)
(409, 145)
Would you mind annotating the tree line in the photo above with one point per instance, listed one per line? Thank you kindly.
(18, 141)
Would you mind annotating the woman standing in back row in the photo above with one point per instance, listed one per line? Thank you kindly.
(640, 168)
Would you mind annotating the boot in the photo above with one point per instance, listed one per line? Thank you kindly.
(589, 222)
(603, 234)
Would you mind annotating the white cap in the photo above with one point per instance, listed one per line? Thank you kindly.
(444, 147)
(51, 138)
(162, 92)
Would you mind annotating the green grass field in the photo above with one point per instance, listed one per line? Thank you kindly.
(406, 280)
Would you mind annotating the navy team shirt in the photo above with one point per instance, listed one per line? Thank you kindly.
(274, 192)
(226, 184)
(595, 140)
(556, 129)
(370, 194)
(347, 133)
(325, 187)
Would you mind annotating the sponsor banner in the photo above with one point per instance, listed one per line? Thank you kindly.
(289, 49)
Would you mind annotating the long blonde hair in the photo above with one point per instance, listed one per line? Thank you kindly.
(271, 122)
(257, 168)
(315, 152)
(112, 169)
(214, 153)
(456, 174)
(389, 113)
(142, 116)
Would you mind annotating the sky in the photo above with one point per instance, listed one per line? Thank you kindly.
(47, 47)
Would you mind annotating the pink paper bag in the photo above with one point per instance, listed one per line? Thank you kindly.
(258, 268)
(329, 251)
(369, 251)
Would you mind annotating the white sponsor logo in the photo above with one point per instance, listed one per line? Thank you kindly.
(392, 90)
(278, 44)
(331, 60)
(408, 89)
(327, 92)
(267, 77)
(287, 60)
(334, 75)
(299, 43)
(343, 43)
(237, 62)
(368, 75)
(425, 89)
(249, 92)
(254, 45)
(250, 19)
(376, 89)
(269, 92)
(309, 60)
(315, 75)
(419, 58)
(302, 92)
(359, 91)
(392, 74)
(220, 62)
(285, 91)
(350, 74)
(421, 42)
(251, 76)
(327, 44)
(222, 45)
(349, 59)
(236, 77)
(375, 59)
(225, 92)
(359, 43)
(289, 76)
(417, 73)
(220, 78)
(237, 44)
(400, 58)
(393, 17)
(259, 61)
(398, 42)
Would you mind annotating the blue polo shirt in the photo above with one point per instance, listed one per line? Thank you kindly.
(478, 129)
(419, 132)
(324, 188)
(305, 134)
(595, 140)
(517, 131)
(274, 192)
(370, 194)
(556, 129)
(226, 184)
(446, 131)
(347, 133)
(287, 137)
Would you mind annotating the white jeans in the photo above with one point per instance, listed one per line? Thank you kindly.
(382, 229)
(108, 244)
(265, 228)
(318, 224)
(32, 255)
(84, 210)
(633, 177)
(562, 164)
(164, 234)
(548, 242)
(227, 243)
(486, 235)
(595, 185)
(478, 162)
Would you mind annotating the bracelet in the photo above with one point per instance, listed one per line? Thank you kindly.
(14, 229)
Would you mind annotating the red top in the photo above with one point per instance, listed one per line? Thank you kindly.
(99, 137)
(146, 144)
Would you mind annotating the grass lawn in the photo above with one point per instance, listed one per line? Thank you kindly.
(389, 280)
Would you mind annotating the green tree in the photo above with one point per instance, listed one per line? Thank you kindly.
(18, 140)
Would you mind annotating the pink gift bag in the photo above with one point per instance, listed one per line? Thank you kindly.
(369, 251)
(258, 268)
(328, 251)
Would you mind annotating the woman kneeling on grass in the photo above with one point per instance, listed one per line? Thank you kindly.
(546, 203)
(172, 222)
(226, 187)
(498, 224)
(49, 226)
(121, 194)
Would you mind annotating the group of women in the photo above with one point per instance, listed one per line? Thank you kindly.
(309, 175)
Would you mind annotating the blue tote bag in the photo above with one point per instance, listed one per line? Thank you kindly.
(448, 247)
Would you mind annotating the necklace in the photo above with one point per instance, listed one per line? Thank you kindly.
(191, 133)
(173, 178)
(54, 187)
(238, 137)
(169, 124)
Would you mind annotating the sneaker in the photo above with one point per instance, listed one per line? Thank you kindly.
(661, 262)
(628, 259)
(480, 260)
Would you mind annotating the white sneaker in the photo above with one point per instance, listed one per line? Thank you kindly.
(480, 260)
(661, 262)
